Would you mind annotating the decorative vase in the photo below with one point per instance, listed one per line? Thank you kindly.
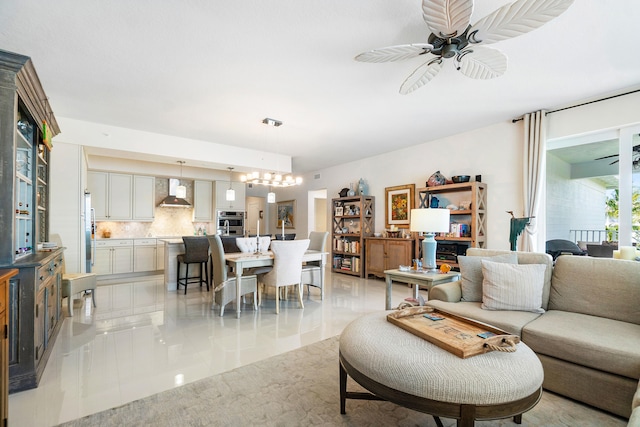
(361, 187)
(351, 191)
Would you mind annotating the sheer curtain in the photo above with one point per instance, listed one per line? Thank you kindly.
(534, 178)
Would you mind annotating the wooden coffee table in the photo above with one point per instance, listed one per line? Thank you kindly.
(399, 367)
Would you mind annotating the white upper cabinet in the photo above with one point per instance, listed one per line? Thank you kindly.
(221, 192)
(202, 201)
(121, 197)
(144, 198)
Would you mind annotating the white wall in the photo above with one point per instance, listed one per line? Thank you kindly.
(66, 201)
(495, 152)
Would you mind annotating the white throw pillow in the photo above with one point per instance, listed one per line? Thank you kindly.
(471, 272)
(512, 287)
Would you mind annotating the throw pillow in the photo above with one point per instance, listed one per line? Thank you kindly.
(512, 287)
(471, 272)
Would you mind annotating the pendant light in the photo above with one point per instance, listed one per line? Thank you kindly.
(231, 193)
(181, 190)
(271, 196)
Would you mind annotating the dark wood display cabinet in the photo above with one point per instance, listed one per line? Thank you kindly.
(5, 275)
(34, 293)
(386, 254)
(353, 220)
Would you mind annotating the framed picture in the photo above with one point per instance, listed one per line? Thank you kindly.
(398, 204)
(339, 210)
(286, 213)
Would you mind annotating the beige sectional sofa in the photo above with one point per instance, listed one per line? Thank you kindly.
(585, 330)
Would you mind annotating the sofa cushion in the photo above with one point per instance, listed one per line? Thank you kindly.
(512, 287)
(597, 286)
(471, 272)
(524, 258)
(595, 342)
(509, 321)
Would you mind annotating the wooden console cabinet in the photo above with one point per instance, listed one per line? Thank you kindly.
(386, 254)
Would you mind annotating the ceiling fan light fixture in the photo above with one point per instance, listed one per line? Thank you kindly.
(451, 34)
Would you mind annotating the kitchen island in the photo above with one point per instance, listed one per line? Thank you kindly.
(172, 248)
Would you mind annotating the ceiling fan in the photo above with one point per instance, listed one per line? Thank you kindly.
(635, 158)
(452, 37)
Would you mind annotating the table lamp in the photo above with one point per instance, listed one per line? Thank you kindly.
(429, 221)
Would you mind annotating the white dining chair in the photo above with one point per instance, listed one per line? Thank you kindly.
(247, 244)
(287, 268)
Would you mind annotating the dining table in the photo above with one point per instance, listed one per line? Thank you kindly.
(239, 261)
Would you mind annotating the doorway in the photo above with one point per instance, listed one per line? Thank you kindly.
(256, 214)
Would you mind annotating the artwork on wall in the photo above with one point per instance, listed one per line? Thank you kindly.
(398, 204)
(286, 213)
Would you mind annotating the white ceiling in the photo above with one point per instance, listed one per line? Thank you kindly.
(212, 70)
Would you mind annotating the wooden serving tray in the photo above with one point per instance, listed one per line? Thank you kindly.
(456, 334)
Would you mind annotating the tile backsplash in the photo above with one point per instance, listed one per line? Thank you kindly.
(167, 222)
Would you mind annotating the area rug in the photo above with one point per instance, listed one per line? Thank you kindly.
(301, 388)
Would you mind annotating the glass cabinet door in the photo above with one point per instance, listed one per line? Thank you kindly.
(23, 199)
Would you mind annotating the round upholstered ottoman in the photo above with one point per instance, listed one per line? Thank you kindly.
(397, 366)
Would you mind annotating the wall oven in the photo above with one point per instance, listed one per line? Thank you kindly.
(230, 223)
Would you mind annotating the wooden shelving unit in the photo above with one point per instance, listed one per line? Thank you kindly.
(353, 220)
(472, 196)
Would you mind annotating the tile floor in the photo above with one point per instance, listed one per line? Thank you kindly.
(142, 340)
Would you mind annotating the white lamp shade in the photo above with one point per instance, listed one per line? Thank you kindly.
(181, 191)
(430, 220)
(231, 195)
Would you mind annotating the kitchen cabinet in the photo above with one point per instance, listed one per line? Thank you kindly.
(470, 198)
(144, 207)
(113, 256)
(144, 255)
(353, 220)
(5, 276)
(111, 195)
(221, 188)
(121, 197)
(386, 254)
(202, 201)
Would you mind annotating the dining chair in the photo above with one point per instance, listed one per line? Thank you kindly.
(74, 283)
(196, 251)
(247, 244)
(286, 236)
(287, 268)
(224, 287)
(312, 270)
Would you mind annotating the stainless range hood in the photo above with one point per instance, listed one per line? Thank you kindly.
(171, 201)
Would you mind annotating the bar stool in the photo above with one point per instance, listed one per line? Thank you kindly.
(196, 251)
